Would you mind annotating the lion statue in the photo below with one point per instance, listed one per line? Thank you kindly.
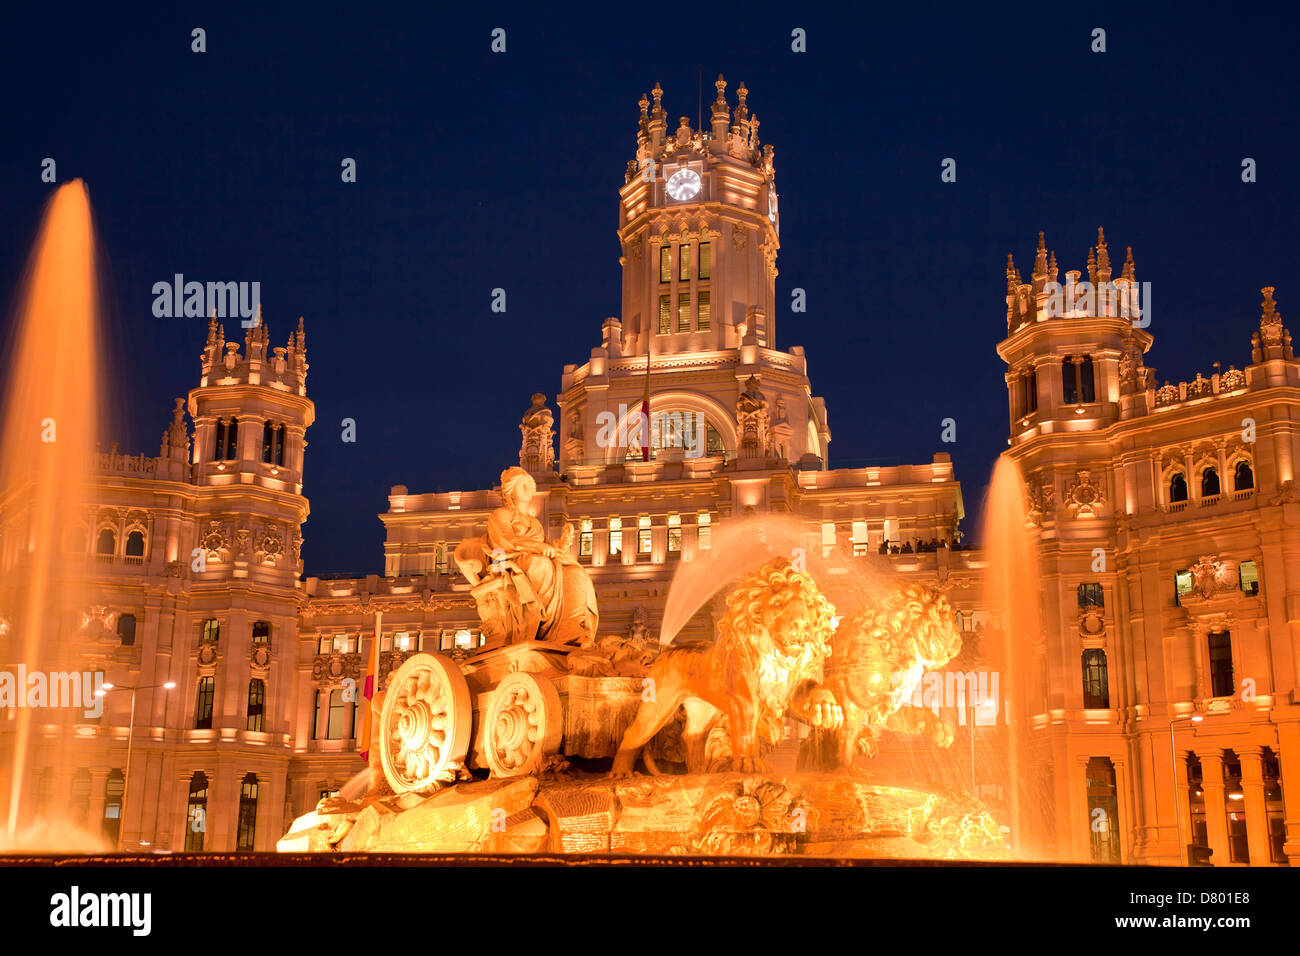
(879, 654)
(765, 664)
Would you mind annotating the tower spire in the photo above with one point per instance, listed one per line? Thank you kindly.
(1103, 257)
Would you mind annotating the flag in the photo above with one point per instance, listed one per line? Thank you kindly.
(370, 692)
(645, 410)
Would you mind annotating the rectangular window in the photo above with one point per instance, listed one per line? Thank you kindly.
(859, 539)
(1090, 595)
(203, 716)
(706, 260)
(325, 644)
(211, 630)
(1182, 585)
(261, 632)
(665, 264)
(1221, 665)
(643, 534)
(702, 313)
(340, 717)
(683, 312)
(256, 704)
(615, 536)
(1249, 577)
(246, 834)
(1096, 682)
(674, 532)
(402, 641)
(704, 530)
(584, 538)
(828, 537)
(665, 314)
(684, 261)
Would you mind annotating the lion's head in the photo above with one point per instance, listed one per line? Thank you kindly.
(780, 617)
(889, 642)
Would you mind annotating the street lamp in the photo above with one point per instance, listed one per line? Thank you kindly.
(130, 735)
(1173, 762)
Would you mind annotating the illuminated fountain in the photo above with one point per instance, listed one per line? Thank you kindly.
(749, 738)
(50, 427)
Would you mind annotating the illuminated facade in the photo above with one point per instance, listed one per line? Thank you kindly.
(1169, 534)
(196, 551)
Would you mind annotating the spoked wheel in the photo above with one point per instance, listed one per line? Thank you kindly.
(424, 727)
(523, 725)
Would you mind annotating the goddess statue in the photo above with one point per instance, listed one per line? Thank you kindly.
(525, 587)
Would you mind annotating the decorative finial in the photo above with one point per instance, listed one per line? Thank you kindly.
(1129, 271)
(1092, 264)
(1052, 269)
(645, 105)
(1103, 257)
(1270, 307)
(1040, 261)
(1013, 275)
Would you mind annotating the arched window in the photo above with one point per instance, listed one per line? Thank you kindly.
(1096, 682)
(135, 547)
(126, 629)
(1178, 487)
(105, 545)
(1209, 482)
(273, 444)
(1243, 476)
(113, 789)
(196, 813)
(262, 632)
(207, 691)
(219, 439)
(256, 703)
(246, 835)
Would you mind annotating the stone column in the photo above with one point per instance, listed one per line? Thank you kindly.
(1216, 821)
(1252, 788)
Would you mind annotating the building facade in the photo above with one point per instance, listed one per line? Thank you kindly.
(1165, 519)
(1164, 686)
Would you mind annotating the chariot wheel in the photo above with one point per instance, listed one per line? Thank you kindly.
(523, 725)
(424, 726)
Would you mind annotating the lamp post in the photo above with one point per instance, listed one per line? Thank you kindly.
(130, 735)
(1173, 763)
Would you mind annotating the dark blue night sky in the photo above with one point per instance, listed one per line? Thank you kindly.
(478, 171)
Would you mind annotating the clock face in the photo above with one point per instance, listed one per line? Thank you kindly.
(684, 184)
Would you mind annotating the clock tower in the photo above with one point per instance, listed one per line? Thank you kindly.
(699, 232)
(699, 227)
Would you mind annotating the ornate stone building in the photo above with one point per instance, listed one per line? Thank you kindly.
(195, 567)
(1169, 534)
(196, 551)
